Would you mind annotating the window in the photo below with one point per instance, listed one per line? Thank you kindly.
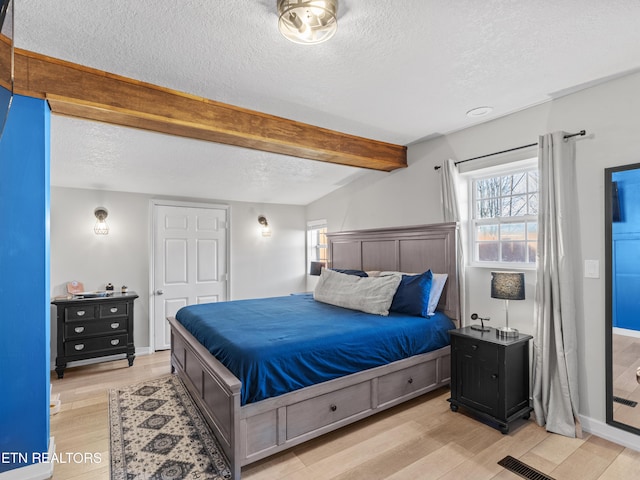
(317, 241)
(504, 217)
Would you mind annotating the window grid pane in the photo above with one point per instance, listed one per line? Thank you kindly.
(505, 212)
(317, 243)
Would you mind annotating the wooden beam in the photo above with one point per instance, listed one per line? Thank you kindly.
(84, 92)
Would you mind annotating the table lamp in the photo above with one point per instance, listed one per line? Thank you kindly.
(507, 286)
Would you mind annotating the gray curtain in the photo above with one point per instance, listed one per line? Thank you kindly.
(451, 213)
(558, 289)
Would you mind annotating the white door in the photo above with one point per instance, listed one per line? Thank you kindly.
(190, 262)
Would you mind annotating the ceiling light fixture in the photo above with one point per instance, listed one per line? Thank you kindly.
(308, 22)
(479, 112)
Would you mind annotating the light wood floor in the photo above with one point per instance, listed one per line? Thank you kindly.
(421, 439)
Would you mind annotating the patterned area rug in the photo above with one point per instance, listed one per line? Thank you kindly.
(157, 433)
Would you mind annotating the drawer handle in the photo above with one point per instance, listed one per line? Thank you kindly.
(115, 341)
(410, 380)
(333, 408)
(115, 325)
(494, 376)
(113, 309)
(79, 329)
(79, 346)
(474, 347)
(80, 313)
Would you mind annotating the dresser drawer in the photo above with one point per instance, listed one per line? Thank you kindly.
(113, 310)
(318, 412)
(405, 382)
(80, 329)
(99, 344)
(83, 312)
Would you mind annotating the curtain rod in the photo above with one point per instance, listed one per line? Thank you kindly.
(581, 133)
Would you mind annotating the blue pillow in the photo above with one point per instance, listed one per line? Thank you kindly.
(412, 296)
(357, 273)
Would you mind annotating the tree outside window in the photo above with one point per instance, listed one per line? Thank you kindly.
(505, 217)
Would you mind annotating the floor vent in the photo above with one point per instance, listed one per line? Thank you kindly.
(522, 469)
(624, 401)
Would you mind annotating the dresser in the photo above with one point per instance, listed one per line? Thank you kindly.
(93, 328)
(490, 375)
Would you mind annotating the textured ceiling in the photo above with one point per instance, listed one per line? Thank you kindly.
(395, 71)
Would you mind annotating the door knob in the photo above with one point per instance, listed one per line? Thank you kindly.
(159, 292)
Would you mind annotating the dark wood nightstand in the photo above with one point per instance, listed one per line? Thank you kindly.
(94, 327)
(490, 375)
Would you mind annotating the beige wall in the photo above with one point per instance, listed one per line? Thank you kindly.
(260, 266)
(609, 114)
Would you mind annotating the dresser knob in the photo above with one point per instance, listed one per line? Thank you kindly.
(333, 408)
(79, 346)
(79, 329)
(115, 341)
(80, 313)
(114, 309)
(494, 376)
(474, 347)
(410, 380)
(115, 325)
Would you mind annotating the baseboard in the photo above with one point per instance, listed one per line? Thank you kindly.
(143, 351)
(615, 435)
(35, 471)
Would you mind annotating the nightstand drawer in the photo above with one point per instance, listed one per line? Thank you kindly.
(84, 312)
(315, 413)
(98, 344)
(113, 310)
(478, 349)
(94, 327)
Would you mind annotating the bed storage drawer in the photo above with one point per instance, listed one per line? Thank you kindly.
(397, 385)
(315, 413)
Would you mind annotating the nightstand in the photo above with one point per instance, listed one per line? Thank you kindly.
(490, 375)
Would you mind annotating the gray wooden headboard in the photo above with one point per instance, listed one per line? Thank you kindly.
(404, 249)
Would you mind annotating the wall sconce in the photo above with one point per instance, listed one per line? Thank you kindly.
(266, 231)
(101, 227)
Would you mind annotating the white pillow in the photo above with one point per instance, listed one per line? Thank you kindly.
(437, 285)
(438, 281)
(366, 294)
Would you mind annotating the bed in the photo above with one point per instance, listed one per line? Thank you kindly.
(251, 425)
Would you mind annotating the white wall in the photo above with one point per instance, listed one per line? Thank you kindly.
(260, 266)
(609, 113)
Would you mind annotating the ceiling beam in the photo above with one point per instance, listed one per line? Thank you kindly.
(84, 92)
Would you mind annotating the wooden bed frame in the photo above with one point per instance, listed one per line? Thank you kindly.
(254, 431)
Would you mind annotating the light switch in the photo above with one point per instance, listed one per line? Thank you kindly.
(591, 269)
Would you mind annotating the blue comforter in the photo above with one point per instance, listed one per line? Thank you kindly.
(278, 345)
